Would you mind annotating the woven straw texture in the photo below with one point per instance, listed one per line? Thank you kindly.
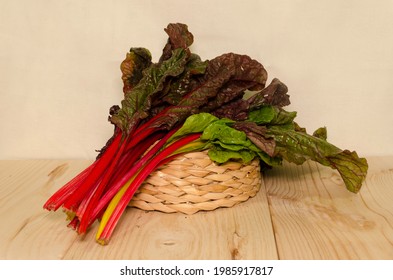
(192, 182)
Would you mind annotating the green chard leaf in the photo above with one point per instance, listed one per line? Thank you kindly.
(273, 130)
(223, 140)
(226, 134)
(352, 169)
(229, 142)
(321, 133)
(297, 147)
(271, 115)
(263, 115)
(221, 155)
(194, 124)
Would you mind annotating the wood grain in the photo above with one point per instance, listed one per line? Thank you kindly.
(242, 232)
(27, 231)
(300, 212)
(314, 217)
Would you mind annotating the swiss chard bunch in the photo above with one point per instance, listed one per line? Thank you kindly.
(182, 104)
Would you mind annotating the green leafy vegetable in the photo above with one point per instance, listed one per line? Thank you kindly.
(271, 115)
(298, 147)
(194, 124)
(221, 155)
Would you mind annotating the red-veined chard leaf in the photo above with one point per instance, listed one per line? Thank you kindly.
(220, 83)
(138, 101)
(274, 94)
(179, 37)
(297, 147)
(137, 60)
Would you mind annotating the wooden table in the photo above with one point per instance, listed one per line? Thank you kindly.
(301, 212)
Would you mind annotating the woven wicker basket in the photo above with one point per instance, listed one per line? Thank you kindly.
(192, 182)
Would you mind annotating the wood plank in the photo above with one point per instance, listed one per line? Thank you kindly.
(314, 217)
(27, 231)
(242, 232)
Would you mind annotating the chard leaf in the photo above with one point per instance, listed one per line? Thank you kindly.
(230, 147)
(236, 110)
(138, 101)
(186, 82)
(195, 66)
(194, 124)
(268, 161)
(216, 82)
(320, 133)
(220, 155)
(225, 134)
(297, 147)
(271, 115)
(137, 59)
(229, 140)
(226, 142)
(352, 169)
(274, 94)
(245, 74)
(179, 37)
(263, 115)
(257, 135)
(283, 117)
(176, 87)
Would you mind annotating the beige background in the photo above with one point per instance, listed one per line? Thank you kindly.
(59, 64)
